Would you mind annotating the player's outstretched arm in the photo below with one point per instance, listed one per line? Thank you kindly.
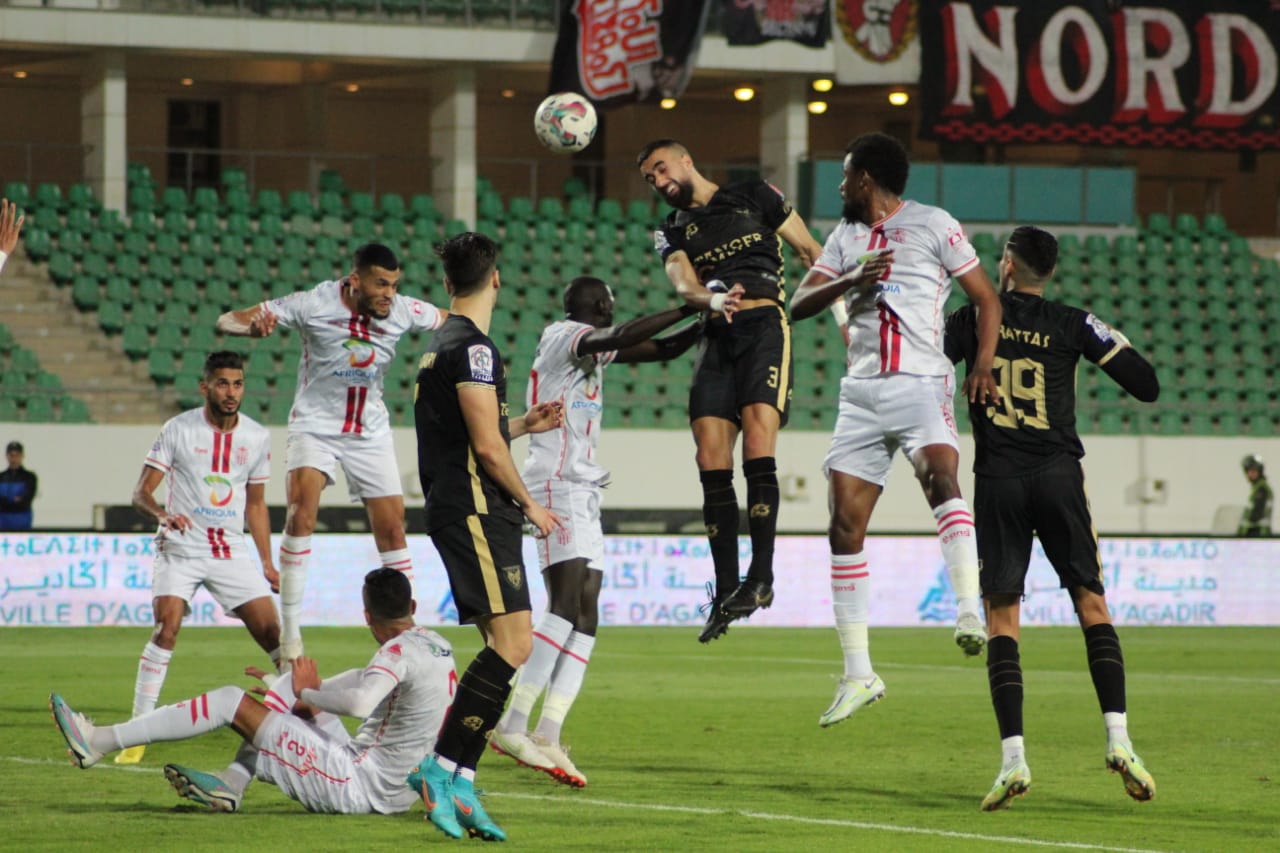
(632, 332)
(797, 235)
(479, 404)
(255, 322)
(818, 290)
(665, 348)
(980, 386)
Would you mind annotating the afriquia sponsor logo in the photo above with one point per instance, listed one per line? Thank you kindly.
(220, 493)
(362, 352)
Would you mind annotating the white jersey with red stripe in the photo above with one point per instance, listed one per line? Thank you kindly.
(345, 357)
(897, 326)
(411, 678)
(559, 373)
(207, 472)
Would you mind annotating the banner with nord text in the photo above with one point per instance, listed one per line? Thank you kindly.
(1168, 74)
(624, 51)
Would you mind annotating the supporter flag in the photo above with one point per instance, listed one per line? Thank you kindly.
(747, 22)
(623, 51)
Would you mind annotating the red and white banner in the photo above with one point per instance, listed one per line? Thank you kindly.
(623, 51)
(1173, 73)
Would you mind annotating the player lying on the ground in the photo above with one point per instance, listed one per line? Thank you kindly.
(401, 696)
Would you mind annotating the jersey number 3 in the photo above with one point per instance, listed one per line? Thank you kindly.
(1022, 394)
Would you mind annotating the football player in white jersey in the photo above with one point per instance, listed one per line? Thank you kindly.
(892, 261)
(292, 739)
(563, 474)
(215, 463)
(349, 331)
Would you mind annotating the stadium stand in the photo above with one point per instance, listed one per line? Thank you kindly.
(1189, 292)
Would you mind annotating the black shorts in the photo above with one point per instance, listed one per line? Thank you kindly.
(1049, 503)
(746, 361)
(482, 556)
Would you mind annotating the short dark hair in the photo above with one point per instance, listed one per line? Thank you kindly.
(657, 144)
(468, 260)
(222, 360)
(883, 158)
(387, 594)
(582, 293)
(1036, 248)
(372, 255)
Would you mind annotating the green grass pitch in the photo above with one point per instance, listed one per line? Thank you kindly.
(717, 747)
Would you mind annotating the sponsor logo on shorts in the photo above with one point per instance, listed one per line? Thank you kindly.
(473, 722)
(760, 511)
(713, 530)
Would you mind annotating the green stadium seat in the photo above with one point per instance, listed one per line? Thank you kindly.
(174, 199)
(161, 266)
(37, 243)
(390, 206)
(330, 204)
(138, 173)
(39, 409)
(102, 243)
(73, 411)
(62, 267)
(111, 222)
(234, 179)
(127, 265)
(49, 195)
(175, 222)
(119, 289)
(1187, 225)
(331, 181)
(269, 203)
(18, 193)
(1158, 223)
(111, 317)
(298, 203)
(80, 197)
(81, 221)
(72, 242)
(201, 246)
(135, 341)
(205, 199)
(394, 230)
(161, 367)
(47, 219)
(85, 293)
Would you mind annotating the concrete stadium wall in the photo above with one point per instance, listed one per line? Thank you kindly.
(1136, 485)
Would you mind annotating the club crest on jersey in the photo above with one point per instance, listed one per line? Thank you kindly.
(241, 456)
(481, 361)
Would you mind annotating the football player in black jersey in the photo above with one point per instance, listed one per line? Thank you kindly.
(1028, 480)
(475, 503)
(722, 247)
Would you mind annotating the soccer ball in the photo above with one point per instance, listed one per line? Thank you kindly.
(565, 122)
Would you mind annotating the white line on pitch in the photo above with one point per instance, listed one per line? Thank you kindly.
(658, 807)
(848, 824)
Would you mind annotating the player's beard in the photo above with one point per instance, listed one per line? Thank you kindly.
(853, 211)
(682, 199)
(364, 305)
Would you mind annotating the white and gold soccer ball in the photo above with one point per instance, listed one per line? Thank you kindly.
(565, 122)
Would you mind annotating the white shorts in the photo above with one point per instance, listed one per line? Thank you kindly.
(581, 535)
(231, 582)
(308, 767)
(880, 414)
(369, 464)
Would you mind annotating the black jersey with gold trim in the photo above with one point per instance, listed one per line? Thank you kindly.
(454, 482)
(1040, 346)
(733, 237)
